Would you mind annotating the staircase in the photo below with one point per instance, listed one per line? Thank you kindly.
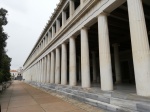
(111, 101)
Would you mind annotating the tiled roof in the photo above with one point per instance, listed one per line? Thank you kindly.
(13, 70)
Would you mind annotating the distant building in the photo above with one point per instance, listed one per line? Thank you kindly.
(16, 74)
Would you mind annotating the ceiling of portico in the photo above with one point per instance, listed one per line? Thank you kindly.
(146, 2)
(119, 30)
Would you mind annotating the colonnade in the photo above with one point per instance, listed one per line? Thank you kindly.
(53, 67)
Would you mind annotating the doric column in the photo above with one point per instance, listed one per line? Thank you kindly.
(48, 69)
(85, 64)
(45, 69)
(39, 71)
(36, 72)
(63, 64)
(104, 54)
(140, 47)
(42, 74)
(63, 18)
(72, 7)
(94, 66)
(52, 75)
(72, 67)
(57, 25)
(57, 67)
(117, 63)
(53, 31)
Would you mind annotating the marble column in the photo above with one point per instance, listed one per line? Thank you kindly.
(57, 67)
(57, 25)
(53, 31)
(104, 53)
(94, 66)
(45, 69)
(72, 61)
(140, 47)
(117, 63)
(46, 36)
(52, 75)
(72, 7)
(39, 71)
(42, 74)
(64, 64)
(48, 69)
(85, 62)
(63, 18)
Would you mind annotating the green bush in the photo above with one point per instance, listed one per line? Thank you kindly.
(1, 77)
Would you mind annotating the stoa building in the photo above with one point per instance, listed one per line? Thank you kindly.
(94, 43)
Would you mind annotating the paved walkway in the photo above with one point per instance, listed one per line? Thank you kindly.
(20, 97)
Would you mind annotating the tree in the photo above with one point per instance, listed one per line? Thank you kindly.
(4, 58)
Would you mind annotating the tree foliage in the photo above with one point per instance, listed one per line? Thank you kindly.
(4, 58)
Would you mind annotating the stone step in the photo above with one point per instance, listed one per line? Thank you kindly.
(106, 100)
(92, 99)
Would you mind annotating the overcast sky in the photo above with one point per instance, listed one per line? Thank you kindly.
(26, 20)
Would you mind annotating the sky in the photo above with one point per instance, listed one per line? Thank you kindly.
(26, 21)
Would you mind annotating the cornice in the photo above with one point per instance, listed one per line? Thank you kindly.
(70, 23)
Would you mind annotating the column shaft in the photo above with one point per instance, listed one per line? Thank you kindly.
(85, 64)
(57, 68)
(52, 75)
(53, 31)
(64, 64)
(57, 25)
(104, 54)
(63, 18)
(72, 7)
(49, 36)
(45, 69)
(42, 75)
(48, 68)
(72, 68)
(140, 47)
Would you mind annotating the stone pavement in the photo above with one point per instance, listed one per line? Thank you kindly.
(20, 97)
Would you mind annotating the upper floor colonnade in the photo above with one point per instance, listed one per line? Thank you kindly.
(63, 55)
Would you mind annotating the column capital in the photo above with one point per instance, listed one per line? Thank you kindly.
(73, 37)
(104, 14)
(85, 27)
(64, 43)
